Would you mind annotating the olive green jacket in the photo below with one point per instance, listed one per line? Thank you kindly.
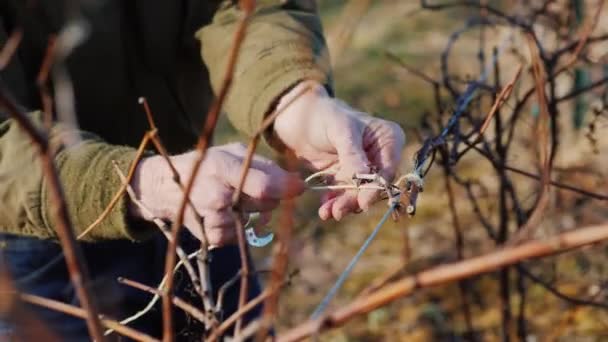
(172, 52)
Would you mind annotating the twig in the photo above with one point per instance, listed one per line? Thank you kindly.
(80, 313)
(163, 228)
(10, 47)
(458, 237)
(245, 268)
(554, 291)
(64, 228)
(227, 323)
(201, 147)
(543, 140)
(280, 260)
(247, 332)
(203, 285)
(503, 96)
(452, 272)
(123, 188)
(556, 184)
(154, 299)
(41, 82)
(268, 121)
(180, 303)
(584, 35)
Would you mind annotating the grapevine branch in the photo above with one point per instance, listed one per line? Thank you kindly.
(448, 273)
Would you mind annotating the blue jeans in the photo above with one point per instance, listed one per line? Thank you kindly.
(38, 267)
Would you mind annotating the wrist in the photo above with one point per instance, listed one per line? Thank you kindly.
(296, 113)
(149, 183)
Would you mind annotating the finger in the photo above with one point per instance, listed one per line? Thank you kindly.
(252, 205)
(390, 153)
(220, 219)
(325, 211)
(258, 183)
(345, 204)
(220, 226)
(219, 237)
(365, 198)
(292, 181)
(328, 195)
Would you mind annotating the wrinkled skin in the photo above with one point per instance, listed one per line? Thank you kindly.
(325, 132)
(266, 184)
(321, 131)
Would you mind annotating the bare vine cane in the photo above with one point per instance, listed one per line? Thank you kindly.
(64, 228)
(204, 140)
(178, 302)
(81, 313)
(448, 273)
(203, 284)
(266, 123)
(184, 258)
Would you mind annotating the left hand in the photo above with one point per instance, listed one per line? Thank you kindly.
(323, 131)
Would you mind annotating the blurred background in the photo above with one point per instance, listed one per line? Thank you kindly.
(377, 48)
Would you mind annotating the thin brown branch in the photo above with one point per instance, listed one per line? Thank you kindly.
(203, 287)
(227, 323)
(80, 313)
(542, 135)
(381, 281)
(448, 273)
(245, 268)
(63, 225)
(164, 228)
(501, 99)
(180, 303)
(410, 69)
(280, 260)
(201, 147)
(123, 188)
(503, 96)
(584, 35)
(41, 82)
(570, 315)
(268, 121)
(458, 237)
(9, 49)
(27, 327)
(556, 184)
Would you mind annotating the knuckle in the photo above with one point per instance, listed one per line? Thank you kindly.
(239, 146)
(263, 188)
(218, 199)
(397, 131)
(212, 163)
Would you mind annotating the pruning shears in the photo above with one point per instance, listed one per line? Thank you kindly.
(250, 232)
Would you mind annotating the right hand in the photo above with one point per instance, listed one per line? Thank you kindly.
(266, 184)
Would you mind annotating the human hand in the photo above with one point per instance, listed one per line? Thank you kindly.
(324, 132)
(266, 184)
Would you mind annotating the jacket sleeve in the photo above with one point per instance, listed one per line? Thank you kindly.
(284, 45)
(86, 173)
